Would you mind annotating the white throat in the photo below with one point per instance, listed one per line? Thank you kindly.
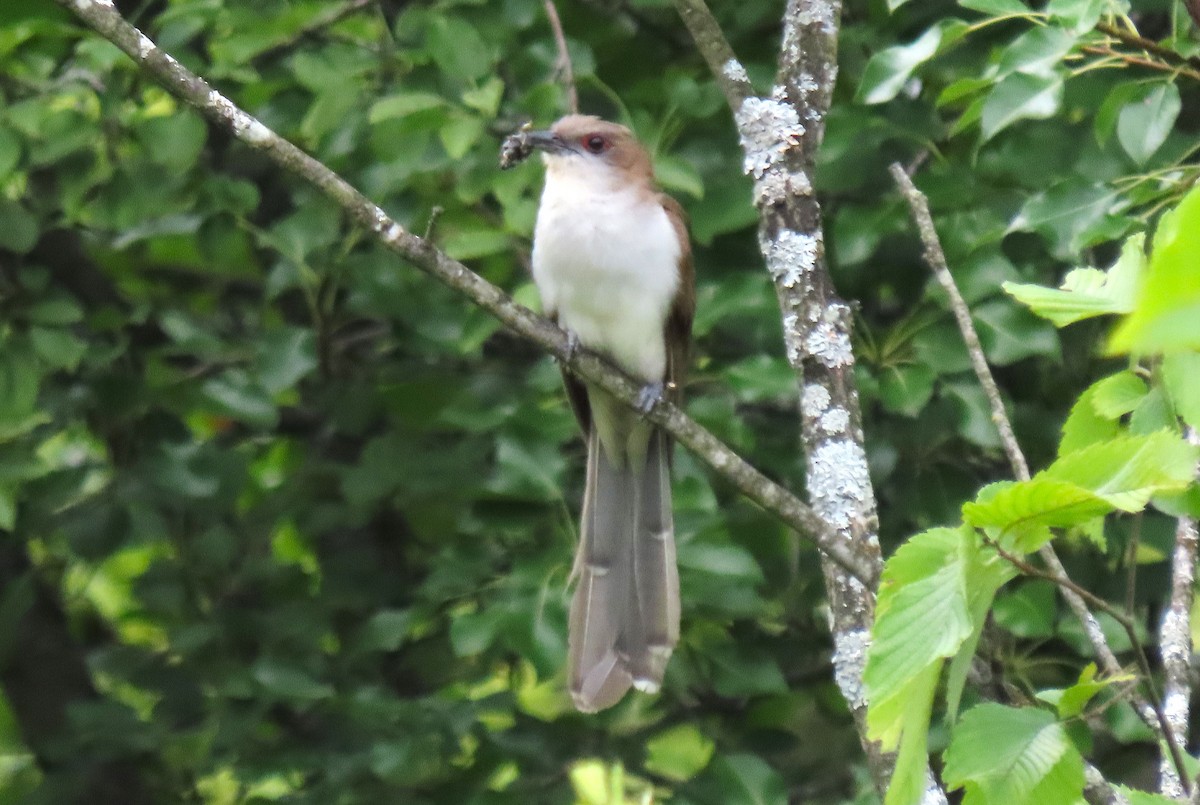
(606, 262)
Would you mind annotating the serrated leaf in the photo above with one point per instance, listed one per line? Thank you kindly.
(1166, 317)
(1181, 378)
(1020, 96)
(1085, 425)
(945, 576)
(1087, 292)
(1023, 511)
(1145, 122)
(1118, 394)
(1004, 755)
(1126, 472)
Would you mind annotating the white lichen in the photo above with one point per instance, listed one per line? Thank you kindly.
(792, 255)
(849, 662)
(839, 482)
(767, 128)
(145, 46)
(777, 186)
(835, 420)
(814, 400)
(829, 343)
(734, 71)
(394, 232)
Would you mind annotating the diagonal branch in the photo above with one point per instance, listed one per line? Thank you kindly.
(722, 61)
(1147, 708)
(102, 17)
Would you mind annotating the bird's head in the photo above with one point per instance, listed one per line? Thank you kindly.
(587, 147)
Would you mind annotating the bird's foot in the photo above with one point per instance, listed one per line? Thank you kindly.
(572, 346)
(649, 396)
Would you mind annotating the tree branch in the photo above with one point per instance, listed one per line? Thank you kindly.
(563, 65)
(779, 136)
(102, 17)
(1147, 707)
(1175, 642)
(722, 61)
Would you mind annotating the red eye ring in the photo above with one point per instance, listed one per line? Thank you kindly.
(595, 143)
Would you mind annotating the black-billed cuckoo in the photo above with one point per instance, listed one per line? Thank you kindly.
(613, 265)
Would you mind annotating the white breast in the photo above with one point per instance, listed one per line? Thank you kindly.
(606, 261)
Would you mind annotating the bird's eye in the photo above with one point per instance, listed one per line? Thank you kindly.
(595, 143)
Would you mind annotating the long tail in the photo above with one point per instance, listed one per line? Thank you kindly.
(625, 612)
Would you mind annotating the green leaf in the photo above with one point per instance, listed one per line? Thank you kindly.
(1024, 511)
(1003, 755)
(1081, 15)
(1118, 394)
(404, 104)
(889, 70)
(677, 174)
(1145, 122)
(906, 388)
(1085, 425)
(1181, 378)
(998, 8)
(1071, 701)
(289, 682)
(679, 753)
(236, 395)
(1087, 292)
(1072, 214)
(1020, 96)
(1035, 52)
(942, 576)
(10, 152)
(746, 780)
(1127, 471)
(1009, 333)
(1030, 611)
(18, 227)
(1166, 317)
(59, 348)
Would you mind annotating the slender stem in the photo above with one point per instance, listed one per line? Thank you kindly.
(565, 71)
(102, 17)
(1140, 61)
(935, 258)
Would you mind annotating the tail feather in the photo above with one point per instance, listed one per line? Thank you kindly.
(625, 611)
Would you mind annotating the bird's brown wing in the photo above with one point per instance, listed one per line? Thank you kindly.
(678, 329)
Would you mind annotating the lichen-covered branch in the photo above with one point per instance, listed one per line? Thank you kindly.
(563, 66)
(710, 41)
(780, 133)
(1175, 643)
(102, 17)
(1153, 715)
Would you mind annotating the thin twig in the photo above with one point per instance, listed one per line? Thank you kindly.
(1078, 598)
(935, 258)
(102, 17)
(1175, 641)
(1140, 61)
(563, 66)
(1135, 39)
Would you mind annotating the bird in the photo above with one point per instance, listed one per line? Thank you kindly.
(612, 263)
